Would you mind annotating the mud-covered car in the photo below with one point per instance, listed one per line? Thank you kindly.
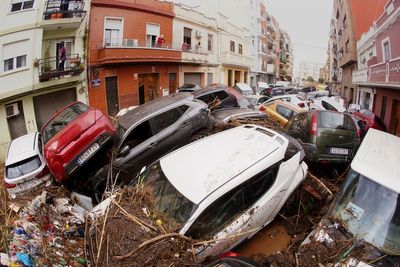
(237, 188)
(25, 168)
(365, 215)
(227, 103)
(326, 136)
(75, 138)
(151, 130)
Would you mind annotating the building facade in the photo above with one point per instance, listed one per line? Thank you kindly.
(379, 72)
(33, 83)
(310, 69)
(129, 65)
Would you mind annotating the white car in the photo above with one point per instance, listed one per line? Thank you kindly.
(257, 100)
(368, 204)
(233, 182)
(289, 98)
(25, 167)
(332, 103)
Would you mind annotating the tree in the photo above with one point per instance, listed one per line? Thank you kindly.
(310, 79)
(321, 80)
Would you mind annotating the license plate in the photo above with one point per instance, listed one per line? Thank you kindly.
(88, 153)
(338, 151)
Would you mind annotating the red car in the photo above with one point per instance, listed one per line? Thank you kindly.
(370, 120)
(73, 136)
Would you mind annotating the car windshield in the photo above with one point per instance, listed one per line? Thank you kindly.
(370, 211)
(167, 199)
(335, 120)
(61, 120)
(23, 167)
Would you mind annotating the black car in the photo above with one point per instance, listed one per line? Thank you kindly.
(150, 131)
(273, 91)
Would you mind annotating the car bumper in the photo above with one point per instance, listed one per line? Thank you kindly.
(75, 163)
(27, 186)
(313, 155)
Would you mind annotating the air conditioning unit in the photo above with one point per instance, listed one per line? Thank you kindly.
(12, 110)
(198, 33)
(132, 42)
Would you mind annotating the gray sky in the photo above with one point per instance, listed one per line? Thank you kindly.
(307, 22)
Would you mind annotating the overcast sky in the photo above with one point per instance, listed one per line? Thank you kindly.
(307, 22)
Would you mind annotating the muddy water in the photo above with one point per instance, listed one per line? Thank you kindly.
(270, 239)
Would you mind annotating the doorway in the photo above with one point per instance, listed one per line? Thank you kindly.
(396, 118)
(148, 87)
(112, 95)
(237, 76)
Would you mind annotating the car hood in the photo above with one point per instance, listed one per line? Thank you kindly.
(71, 132)
(224, 115)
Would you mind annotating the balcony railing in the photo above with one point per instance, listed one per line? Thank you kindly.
(49, 68)
(360, 76)
(386, 72)
(57, 9)
(135, 43)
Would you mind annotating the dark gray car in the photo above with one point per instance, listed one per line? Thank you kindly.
(151, 130)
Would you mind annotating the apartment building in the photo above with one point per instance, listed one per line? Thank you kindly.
(33, 84)
(378, 74)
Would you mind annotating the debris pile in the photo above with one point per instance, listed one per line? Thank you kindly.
(264, 122)
(125, 231)
(49, 231)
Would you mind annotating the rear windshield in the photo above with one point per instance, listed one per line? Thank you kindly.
(23, 167)
(335, 120)
(61, 120)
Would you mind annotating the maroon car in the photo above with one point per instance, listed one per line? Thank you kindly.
(72, 138)
(370, 120)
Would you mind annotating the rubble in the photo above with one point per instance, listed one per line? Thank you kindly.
(48, 231)
(127, 234)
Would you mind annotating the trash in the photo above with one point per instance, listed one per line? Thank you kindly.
(4, 260)
(14, 207)
(83, 201)
(24, 258)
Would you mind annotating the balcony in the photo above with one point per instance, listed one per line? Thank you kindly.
(49, 69)
(67, 16)
(132, 50)
(271, 56)
(347, 58)
(195, 55)
(386, 72)
(270, 26)
(270, 69)
(360, 76)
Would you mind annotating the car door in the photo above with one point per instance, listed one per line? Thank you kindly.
(135, 148)
(173, 128)
(337, 135)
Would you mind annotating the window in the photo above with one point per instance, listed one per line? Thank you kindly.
(232, 46)
(328, 106)
(23, 167)
(14, 55)
(345, 22)
(18, 5)
(113, 32)
(386, 51)
(187, 36)
(297, 127)
(152, 32)
(217, 215)
(255, 188)
(284, 112)
(335, 121)
(347, 46)
(210, 42)
(240, 49)
(166, 119)
(138, 135)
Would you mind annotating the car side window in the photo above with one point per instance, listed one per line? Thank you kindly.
(284, 112)
(139, 134)
(298, 126)
(219, 214)
(40, 144)
(256, 187)
(262, 100)
(328, 106)
(164, 120)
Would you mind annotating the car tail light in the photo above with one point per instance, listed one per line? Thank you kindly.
(261, 108)
(7, 185)
(270, 91)
(301, 105)
(43, 173)
(314, 126)
(228, 254)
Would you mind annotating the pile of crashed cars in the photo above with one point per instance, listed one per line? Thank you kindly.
(228, 182)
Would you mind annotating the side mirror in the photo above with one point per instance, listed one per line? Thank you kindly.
(124, 151)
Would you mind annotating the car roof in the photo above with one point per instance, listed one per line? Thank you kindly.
(208, 89)
(134, 115)
(22, 148)
(237, 150)
(287, 105)
(377, 158)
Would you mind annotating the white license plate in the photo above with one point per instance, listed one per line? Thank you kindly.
(88, 153)
(338, 151)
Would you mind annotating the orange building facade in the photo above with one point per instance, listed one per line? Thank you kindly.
(131, 56)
